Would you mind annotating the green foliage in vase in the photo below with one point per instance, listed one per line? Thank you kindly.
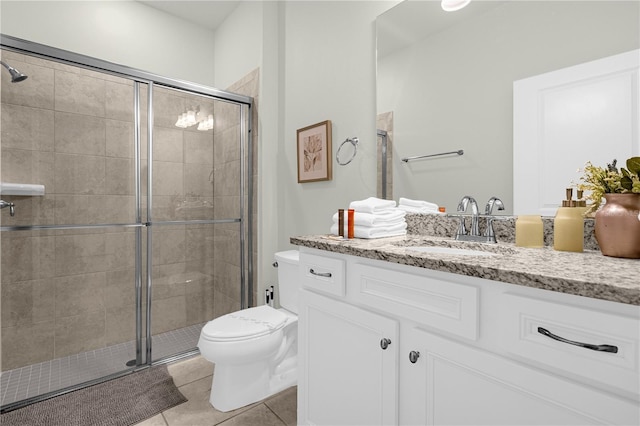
(610, 180)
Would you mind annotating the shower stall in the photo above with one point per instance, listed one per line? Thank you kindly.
(132, 197)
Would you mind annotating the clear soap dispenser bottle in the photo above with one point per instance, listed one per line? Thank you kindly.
(568, 225)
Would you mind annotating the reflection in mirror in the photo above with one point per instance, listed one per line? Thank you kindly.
(447, 79)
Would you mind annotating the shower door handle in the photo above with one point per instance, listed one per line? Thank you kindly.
(12, 207)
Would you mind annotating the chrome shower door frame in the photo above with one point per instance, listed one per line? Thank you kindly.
(140, 78)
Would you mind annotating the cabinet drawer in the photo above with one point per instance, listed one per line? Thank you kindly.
(322, 273)
(437, 303)
(528, 322)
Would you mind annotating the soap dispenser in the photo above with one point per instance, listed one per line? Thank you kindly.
(568, 225)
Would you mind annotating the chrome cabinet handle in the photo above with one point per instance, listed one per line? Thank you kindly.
(384, 343)
(320, 274)
(599, 348)
(413, 356)
(12, 207)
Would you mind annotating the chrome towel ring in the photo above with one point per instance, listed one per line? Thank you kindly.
(354, 142)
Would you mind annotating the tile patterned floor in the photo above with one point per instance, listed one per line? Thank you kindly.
(37, 379)
(193, 377)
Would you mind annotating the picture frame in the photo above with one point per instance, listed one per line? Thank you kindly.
(314, 152)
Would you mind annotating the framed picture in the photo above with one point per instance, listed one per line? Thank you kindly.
(314, 152)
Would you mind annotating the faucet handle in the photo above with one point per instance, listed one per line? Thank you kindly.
(493, 201)
(462, 229)
(12, 207)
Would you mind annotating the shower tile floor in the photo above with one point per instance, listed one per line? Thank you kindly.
(37, 379)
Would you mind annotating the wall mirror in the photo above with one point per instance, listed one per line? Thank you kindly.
(447, 78)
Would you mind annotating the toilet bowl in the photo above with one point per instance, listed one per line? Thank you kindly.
(255, 350)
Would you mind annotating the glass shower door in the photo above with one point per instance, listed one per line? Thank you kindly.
(196, 217)
(69, 253)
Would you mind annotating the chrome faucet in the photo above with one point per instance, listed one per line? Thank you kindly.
(474, 234)
(462, 207)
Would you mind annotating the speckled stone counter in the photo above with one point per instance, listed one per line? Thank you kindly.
(588, 274)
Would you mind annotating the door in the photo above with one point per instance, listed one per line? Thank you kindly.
(345, 377)
(564, 118)
(458, 384)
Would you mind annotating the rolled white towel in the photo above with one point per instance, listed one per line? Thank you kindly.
(373, 231)
(372, 205)
(417, 203)
(410, 209)
(382, 218)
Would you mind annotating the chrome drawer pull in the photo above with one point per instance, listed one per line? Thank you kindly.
(320, 274)
(384, 343)
(600, 348)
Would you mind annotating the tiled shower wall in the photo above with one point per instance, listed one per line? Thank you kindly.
(227, 300)
(68, 291)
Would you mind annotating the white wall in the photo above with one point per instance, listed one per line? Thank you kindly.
(329, 72)
(238, 44)
(124, 32)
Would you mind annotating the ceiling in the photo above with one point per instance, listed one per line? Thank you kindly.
(411, 21)
(207, 14)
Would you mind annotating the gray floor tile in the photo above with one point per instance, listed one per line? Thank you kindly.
(285, 405)
(260, 415)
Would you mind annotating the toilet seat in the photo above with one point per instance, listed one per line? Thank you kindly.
(244, 324)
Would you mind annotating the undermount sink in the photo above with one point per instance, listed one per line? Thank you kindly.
(450, 250)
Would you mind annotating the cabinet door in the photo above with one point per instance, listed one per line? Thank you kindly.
(458, 384)
(345, 377)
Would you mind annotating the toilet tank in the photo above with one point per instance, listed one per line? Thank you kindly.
(288, 279)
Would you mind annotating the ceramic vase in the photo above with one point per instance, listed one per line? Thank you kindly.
(618, 226)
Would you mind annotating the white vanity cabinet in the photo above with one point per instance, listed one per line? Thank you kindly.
(461, 350)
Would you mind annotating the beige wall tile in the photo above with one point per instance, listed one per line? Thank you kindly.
(27, 128)
(226, 179)
(167, 106)
(79, 294)
(79, 134)
(79, 333)
(119, 138)
(168, 246)
(168, 144)
(227, 147)
(119, 209)
(198, 147)
(120, 289)
(27, 257)
(224, 304)
(27, 303)
(168, 178)
(79, 209)
(25, 345)
(79, 94)
(79, 174)
(119, 100)
(80, 254)
(120, 176)
(120, 325)
(168, 314)
(36, 91)
(196, 181)
(119, 250)
(226, 207)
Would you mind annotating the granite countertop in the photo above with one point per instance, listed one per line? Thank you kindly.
(588, 274)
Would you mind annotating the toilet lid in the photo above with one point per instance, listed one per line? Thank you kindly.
(246, 323)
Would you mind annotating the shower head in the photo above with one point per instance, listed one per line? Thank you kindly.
(16, 76)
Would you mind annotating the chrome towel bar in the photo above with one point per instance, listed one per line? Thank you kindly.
(417, 157)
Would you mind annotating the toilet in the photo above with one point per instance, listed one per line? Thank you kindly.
(255, 350)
